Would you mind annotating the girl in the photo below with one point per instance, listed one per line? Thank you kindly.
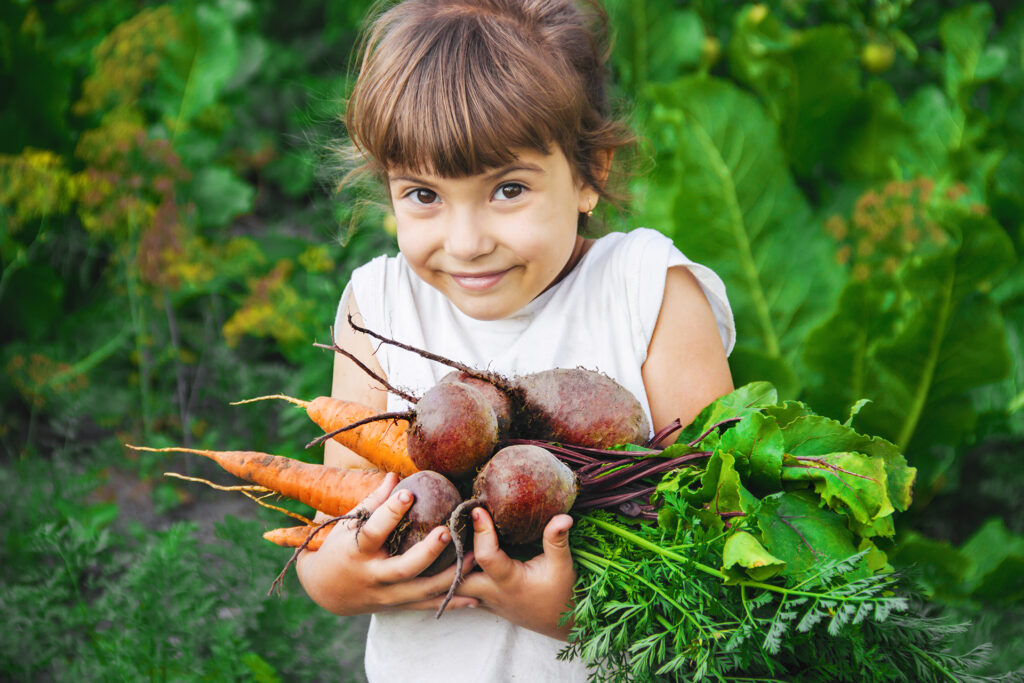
(487, 121)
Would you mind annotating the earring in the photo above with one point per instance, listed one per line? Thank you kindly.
(590, 213)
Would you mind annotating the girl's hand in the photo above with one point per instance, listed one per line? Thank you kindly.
(532, 594)
(354, 574)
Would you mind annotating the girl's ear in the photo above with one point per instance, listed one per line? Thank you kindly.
(603, 165)
(590, 195)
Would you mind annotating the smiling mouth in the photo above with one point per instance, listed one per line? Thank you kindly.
(477, 282)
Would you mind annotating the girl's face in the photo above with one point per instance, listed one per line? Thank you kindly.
(492, 242)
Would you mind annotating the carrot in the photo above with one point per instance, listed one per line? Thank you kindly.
(331, 490)
(381, 442)
(294, 536)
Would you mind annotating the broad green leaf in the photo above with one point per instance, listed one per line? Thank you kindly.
(997, 556)
(939, 337)
(938, 567)
(810, 82)
(721, 490)
(213, 63)
(748, 364)
(838, 352)
(742, 401)
(879, 138)
(964, 33)
(787, 411)
(851, 483)
(758, 446)
(657, 40)
(743, 549)
(722, 189)
(798, 532)
(818, 435)
(938, 131)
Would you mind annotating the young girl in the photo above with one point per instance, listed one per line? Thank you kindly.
(488, 123)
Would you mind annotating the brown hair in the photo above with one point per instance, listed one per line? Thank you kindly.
(452, 86)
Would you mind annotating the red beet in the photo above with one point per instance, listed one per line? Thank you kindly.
(499, 400)
(435, 500)
(580, 407)
(454, 430)
(522, 487)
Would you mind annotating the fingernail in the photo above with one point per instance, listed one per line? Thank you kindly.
(404, 497)
(476, 515)
(444, 537)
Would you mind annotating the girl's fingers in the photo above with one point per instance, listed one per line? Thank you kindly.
(382, 521)
(491, 558)
(556, 541)
(425, 589)
(410, 564)
(432, 604)
(379, 494)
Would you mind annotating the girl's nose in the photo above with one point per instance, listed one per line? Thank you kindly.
(468, 236)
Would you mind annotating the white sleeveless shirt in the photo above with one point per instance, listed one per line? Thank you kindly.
(600, 316)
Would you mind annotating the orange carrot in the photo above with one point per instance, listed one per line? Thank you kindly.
(381, 442)
(331, 490)
(294, 536)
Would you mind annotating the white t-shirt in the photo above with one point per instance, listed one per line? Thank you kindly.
(600, 316)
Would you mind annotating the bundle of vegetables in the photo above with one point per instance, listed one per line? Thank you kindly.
(748, 550)
(763, 562)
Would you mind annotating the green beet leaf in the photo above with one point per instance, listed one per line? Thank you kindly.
(758, 445)
(852, 483)
(744, 551)
(800, 533)
(722, 490)
(742, 401)
(812, 435)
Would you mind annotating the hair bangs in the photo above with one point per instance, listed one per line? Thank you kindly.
(465, 97)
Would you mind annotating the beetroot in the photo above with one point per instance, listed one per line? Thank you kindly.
(454, 430)
(435, 500)
(522, 487)
(499, 400)
(580, 407)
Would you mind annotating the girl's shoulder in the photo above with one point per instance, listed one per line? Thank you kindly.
(639, 261)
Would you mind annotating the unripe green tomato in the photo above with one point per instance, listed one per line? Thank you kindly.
(710, 51)
(877, 57)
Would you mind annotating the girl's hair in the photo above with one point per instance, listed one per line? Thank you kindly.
(453, 86)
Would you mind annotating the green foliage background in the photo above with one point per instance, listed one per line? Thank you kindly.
(172, 239)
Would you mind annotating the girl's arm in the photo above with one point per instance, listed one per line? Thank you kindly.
(686, 369)
(353, 574)
(686, 366)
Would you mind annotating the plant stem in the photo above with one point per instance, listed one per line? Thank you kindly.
(606, 563)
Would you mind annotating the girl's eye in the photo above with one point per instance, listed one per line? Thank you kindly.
(509, 191)
(423, 196)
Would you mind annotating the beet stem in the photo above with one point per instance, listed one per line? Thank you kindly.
(453, 529)
(406, 415)
(489, 377)
(726, 421)
(665, 431)
(362, 366)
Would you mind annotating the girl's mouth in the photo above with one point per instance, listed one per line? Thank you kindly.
(477, 282)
